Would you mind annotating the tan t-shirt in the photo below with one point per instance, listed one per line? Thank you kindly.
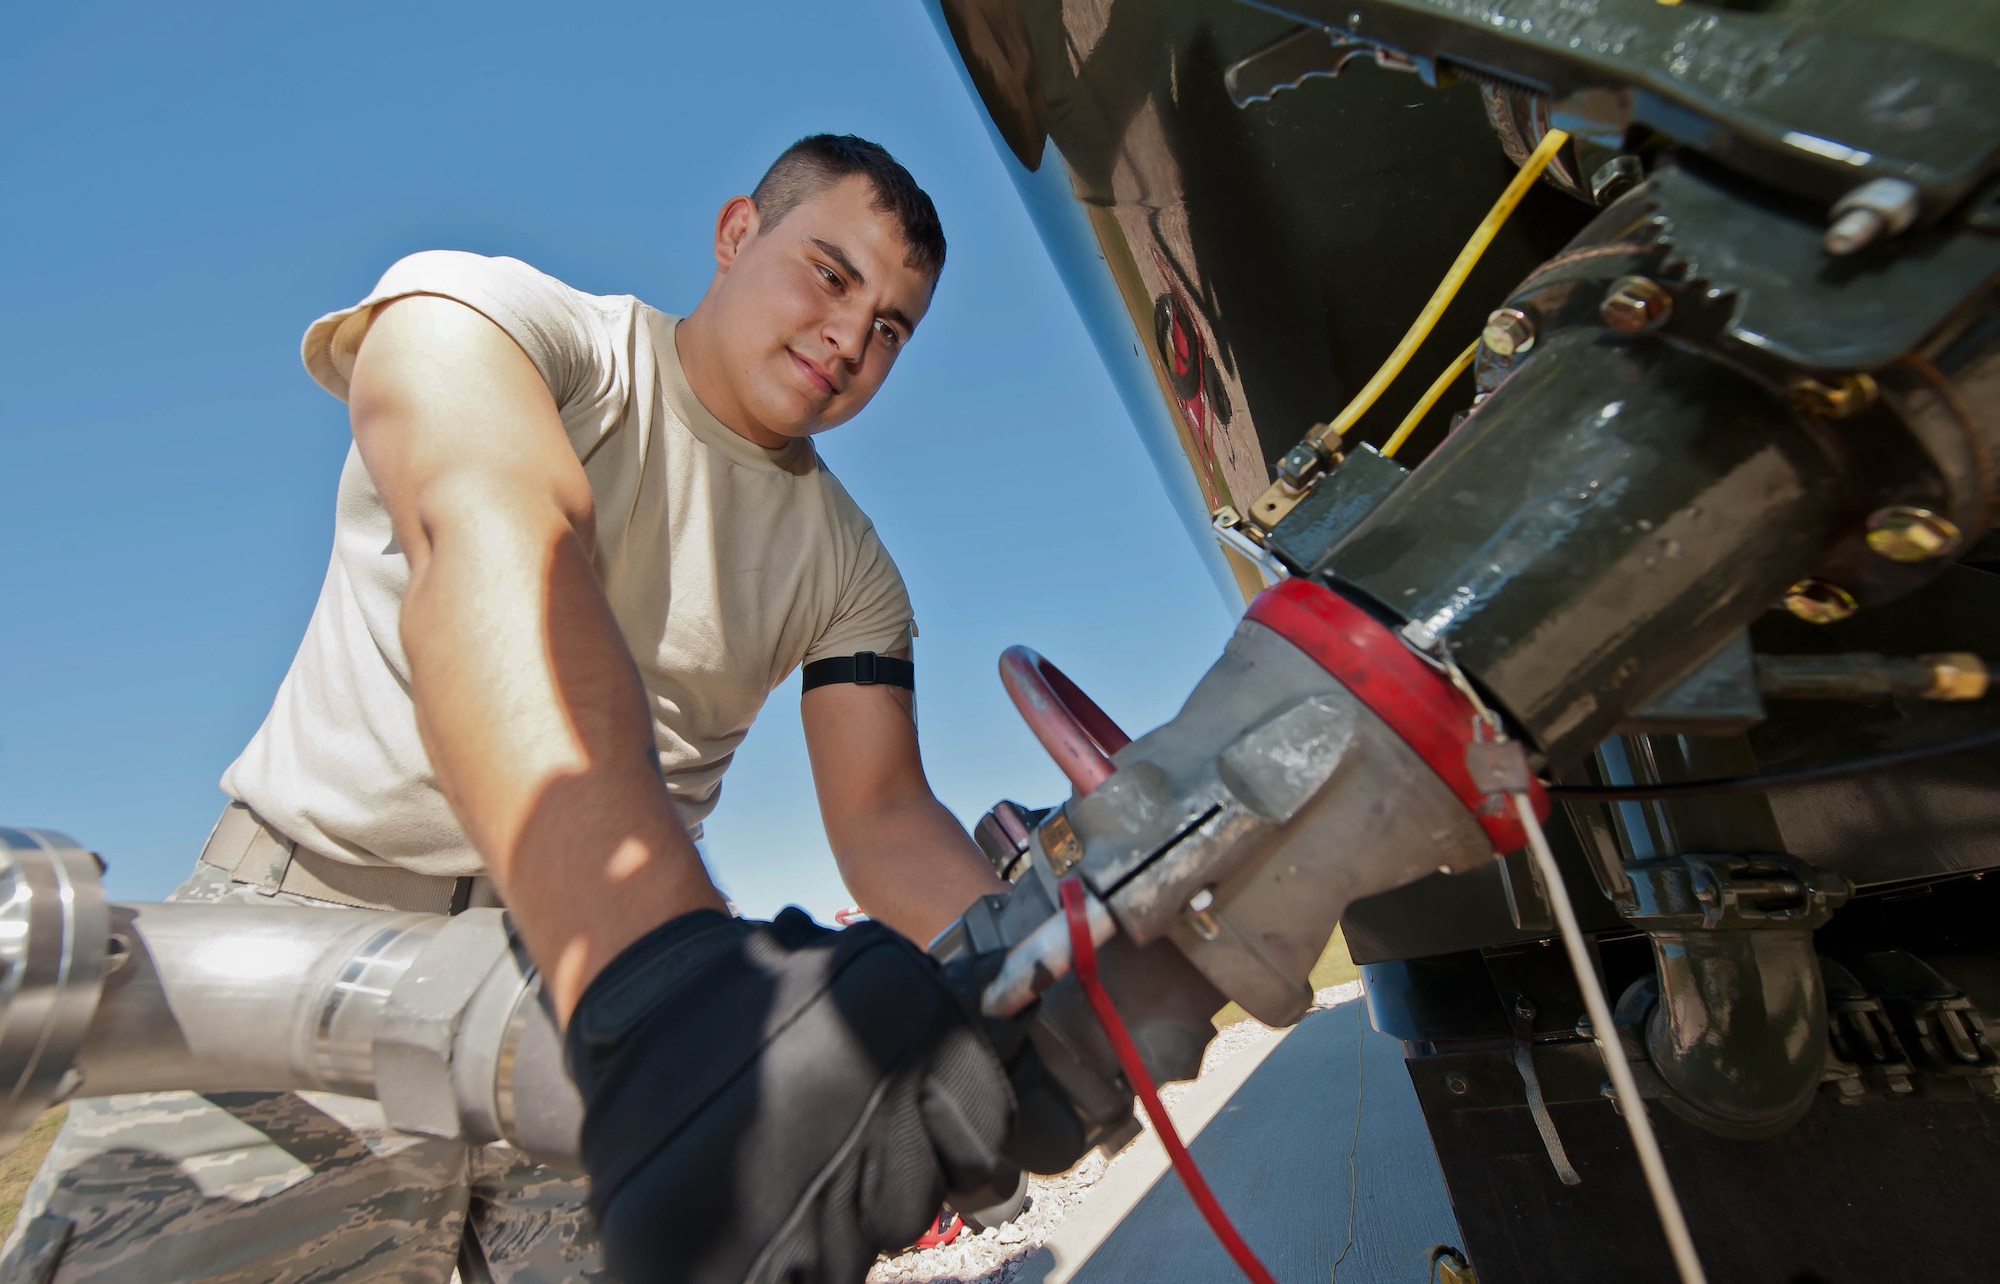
(727, 566)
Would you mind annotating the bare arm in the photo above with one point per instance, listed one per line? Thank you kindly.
(527, 698)
(906, 859)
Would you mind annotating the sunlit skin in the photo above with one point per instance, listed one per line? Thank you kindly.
(803, 321)
(529, 704)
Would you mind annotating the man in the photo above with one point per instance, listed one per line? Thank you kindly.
(577, 543)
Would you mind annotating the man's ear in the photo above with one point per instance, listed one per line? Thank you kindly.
(735, 227)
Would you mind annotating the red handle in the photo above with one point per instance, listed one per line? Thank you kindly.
(1080, 736)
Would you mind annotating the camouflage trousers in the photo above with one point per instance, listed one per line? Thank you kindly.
(286, 1188)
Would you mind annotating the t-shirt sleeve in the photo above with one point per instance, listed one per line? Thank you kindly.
(561, 329)
(874, 612)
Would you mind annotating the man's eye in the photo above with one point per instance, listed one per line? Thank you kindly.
(888, 333)
(826, 274)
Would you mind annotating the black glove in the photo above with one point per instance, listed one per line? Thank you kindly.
(777, 1101)
(1047, 1135)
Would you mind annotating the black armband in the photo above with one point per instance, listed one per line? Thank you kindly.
(863, 669)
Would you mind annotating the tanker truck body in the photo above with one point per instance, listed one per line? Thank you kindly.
(1718, 460)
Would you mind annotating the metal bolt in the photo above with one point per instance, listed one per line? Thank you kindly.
(1456, 1085)
(1878, 208)
(1635, 303)
(1846, 395)
(1508, 333)
(1903, 533)
(1853, 230)
(1818, 602)
(1616, 177)
(1199, 919)
(1956, 675)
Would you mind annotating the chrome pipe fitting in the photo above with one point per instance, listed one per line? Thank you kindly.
(54, 943)
(438, 1018)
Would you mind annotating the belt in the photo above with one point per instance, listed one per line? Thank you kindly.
(254, 853)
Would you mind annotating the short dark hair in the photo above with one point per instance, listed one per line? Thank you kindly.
(815, 163)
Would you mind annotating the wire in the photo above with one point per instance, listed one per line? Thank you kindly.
(1083, 951)
(1437, 1253)
(1429, 399)
(1447, 289)
(1626, 1089)
(1354, 1145)
(1777, 779)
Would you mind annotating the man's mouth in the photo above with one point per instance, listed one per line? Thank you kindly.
(814, 375)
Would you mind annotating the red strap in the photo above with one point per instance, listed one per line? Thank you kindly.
(1419, 703)
(1084, 954)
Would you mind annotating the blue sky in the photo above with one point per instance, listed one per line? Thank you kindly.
(187, 187)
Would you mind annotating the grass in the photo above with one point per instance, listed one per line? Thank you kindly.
(17, 1166)
(1334, 968)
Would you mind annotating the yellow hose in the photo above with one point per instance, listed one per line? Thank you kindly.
(1441, 298)
(1429, 399)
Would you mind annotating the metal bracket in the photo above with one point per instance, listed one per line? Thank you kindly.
(1228, 527)
(1721, 893)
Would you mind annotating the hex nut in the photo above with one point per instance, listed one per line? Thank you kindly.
(1635, 303)
(1905, 533)
(1818, 602)
(1509, 333)
(1616, 177)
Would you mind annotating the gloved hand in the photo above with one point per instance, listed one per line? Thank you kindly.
(1047, 1136)
(777, 1101)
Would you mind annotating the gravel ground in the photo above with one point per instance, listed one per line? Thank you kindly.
(994, 1256)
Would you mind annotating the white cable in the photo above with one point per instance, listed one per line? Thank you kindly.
(1630, 1104)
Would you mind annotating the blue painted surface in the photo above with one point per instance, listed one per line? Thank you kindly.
(1046, 193)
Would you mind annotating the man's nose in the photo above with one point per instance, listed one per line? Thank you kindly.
(847, 332)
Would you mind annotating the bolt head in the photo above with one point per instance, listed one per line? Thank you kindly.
(1854, 230)
(1818, 602)
(1635, 303)
(1956, 675)
(1304, 462)
(1850, 394)
(1877, 208)
(1616, 177)
(1509, 333)
(1904, 533)
(1456, 1085)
